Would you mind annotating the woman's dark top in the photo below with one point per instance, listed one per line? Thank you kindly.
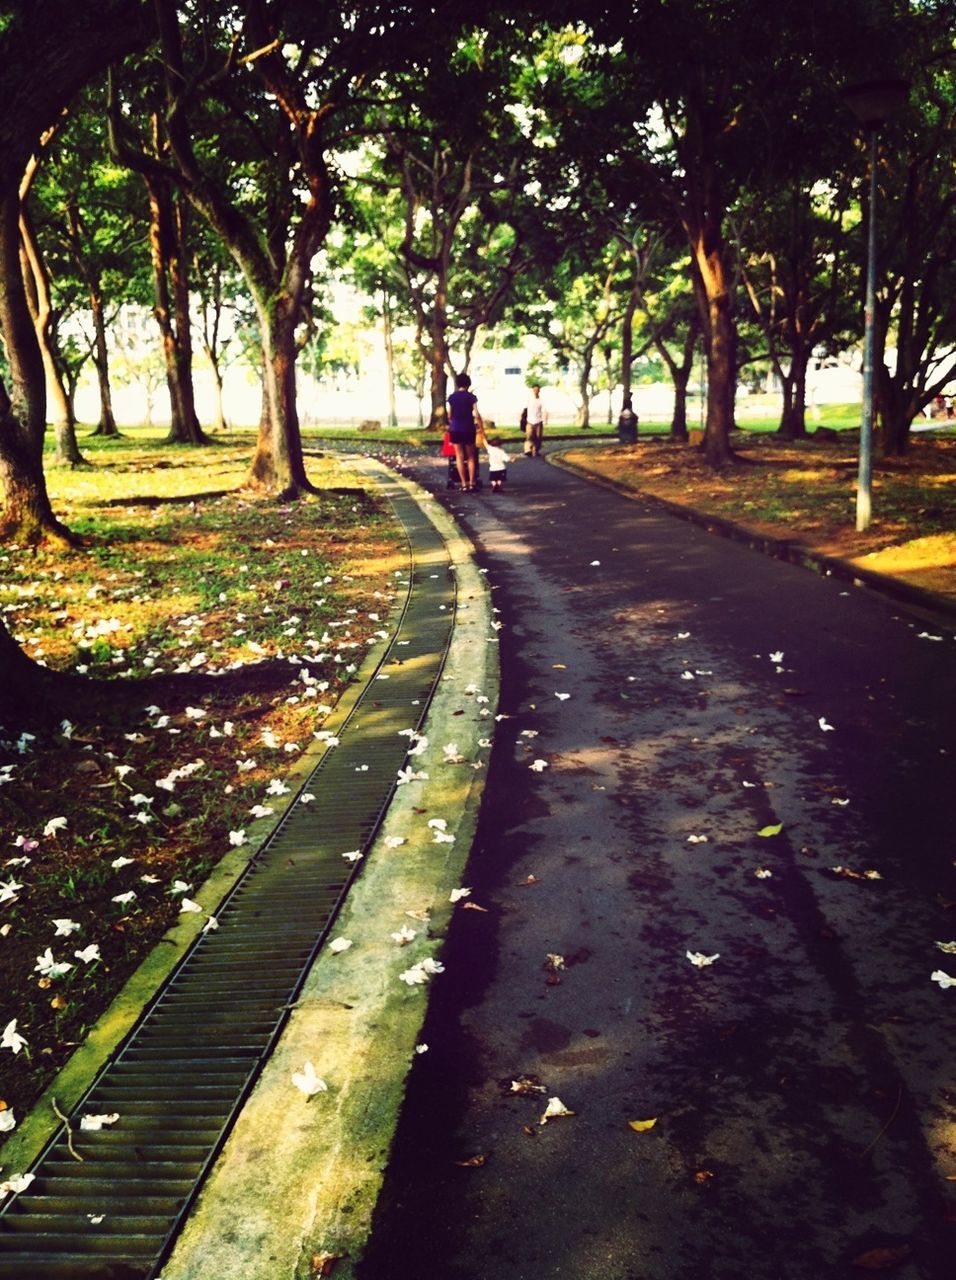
(461, 422)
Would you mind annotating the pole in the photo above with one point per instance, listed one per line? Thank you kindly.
(864, 486)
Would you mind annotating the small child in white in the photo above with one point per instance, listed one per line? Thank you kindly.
(497, 463)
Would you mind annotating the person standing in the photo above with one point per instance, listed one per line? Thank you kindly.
(464, 424)
(535, 422)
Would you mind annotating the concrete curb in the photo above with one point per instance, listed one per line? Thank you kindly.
(787, 549)
(298, 1178)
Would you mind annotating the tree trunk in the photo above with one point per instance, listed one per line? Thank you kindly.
(627, 340)
(278, 464)
(389, 358)
(793, 421)
(101, 363)
(36, 283)
(171, 310)
(721, 333)
(27, 513)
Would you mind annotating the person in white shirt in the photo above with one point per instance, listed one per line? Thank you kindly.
(535, 421)
(497, 463)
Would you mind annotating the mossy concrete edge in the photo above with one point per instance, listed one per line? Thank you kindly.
(299, 1178)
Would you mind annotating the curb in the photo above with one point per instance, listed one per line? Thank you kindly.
(298, 1179)
(786, 549)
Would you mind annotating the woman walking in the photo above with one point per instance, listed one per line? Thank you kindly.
(464, 424)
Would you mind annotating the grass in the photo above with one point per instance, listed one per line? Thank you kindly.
(217, 630)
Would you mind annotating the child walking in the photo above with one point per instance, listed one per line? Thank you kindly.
(497, 463)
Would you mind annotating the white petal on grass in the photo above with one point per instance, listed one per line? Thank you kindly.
(65, 927)
(944, 979)
(47, 967)
(404, 936)
(189, 907)
(211, 925)
(277, 788)
(237, 839)
(307, 1082)
(456, 895)
(339, 945)
(93, 1123)
(307, 797)
(12, 1038)
(700, 961)
(53, 826)
(393, 842)
(438, 824)
(89, 954)
(554, 1111)
(352, 855)
(261, 810)
(9, 890)
(8, 1121)
(117, 863)
(178, 886)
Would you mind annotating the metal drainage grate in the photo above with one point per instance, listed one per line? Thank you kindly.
(182, 1075)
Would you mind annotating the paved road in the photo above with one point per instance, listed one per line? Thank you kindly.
(804, 1083)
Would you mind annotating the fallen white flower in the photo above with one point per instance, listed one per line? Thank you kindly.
(393, 842)
(827, 728)
(12, 1039)
(53, 826)
(308, 1082)
(777, 657)
(554, 1110)
(538, 766)
(261, 810)
(8, 890)
(277, 788)
(762, 873)
(211, 925)
(93, 1123)
(456, 895)
(687, 675)
(65, 927)
(88, 954)
(187, 905)
(47, 967)
(699, 960)
(117, 863)
(944, 979)
(353, 855)
(562, 697)
(19, 1182)
(306, 798)
(178, 886)
(404, 936)
(697, 840)
(237, 839)
(948, 947)
(438, 824)
(340, 944)
(8, 1121)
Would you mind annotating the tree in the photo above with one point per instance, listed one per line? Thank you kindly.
(48, 53)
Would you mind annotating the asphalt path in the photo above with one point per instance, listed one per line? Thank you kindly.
(686, 694)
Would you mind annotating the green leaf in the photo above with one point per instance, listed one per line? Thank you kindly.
(771, 831)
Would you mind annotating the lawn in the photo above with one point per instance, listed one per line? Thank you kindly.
(219, 628)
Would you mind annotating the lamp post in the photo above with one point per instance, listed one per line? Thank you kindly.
(872, 102)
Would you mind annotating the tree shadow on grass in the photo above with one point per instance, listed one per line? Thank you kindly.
(36, 698)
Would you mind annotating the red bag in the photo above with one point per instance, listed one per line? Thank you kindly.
(447, 448)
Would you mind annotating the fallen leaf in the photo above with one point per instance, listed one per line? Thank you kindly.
(704, 1175)
(473, 1162)
(473, 906)
(641, 1126)
(527, 1084)
(323, 1263)
(773, 830)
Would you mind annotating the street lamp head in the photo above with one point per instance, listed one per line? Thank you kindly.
(874, 101)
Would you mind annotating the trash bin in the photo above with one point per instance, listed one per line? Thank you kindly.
(627, 426)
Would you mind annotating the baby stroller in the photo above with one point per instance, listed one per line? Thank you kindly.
(453, 480)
